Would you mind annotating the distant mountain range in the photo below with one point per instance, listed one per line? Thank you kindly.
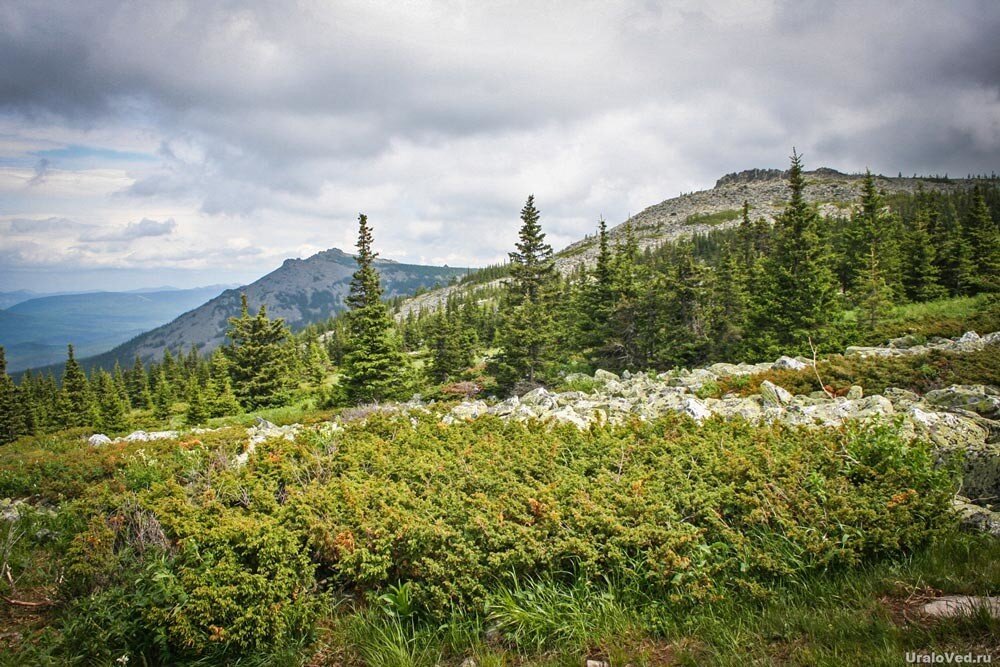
(301, 291)
(35, 331)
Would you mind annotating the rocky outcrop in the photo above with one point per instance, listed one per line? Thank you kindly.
(909, 345)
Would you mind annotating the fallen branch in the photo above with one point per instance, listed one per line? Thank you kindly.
(24, 603)
(822, 386)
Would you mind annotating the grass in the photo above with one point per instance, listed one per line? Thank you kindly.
(716, 218)
(868, 616)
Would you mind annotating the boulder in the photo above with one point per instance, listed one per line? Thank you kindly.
(469, 410)
(976, 398)
(773, 395)
(695, 409)
(507, 407)
(98, 439)
(147, 436)
(788, 363)
(749, 409)
(855, 392)
(540, 397)
(602, 375)
(951, 606)
(976, 518)
(567, 415)
(861, 351)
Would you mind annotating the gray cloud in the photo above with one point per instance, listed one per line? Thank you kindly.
(41, 171)
(438, 119)
(134, 230)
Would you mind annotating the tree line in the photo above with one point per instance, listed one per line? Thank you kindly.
(749, 292)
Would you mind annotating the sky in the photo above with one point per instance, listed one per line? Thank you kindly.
(189, 142)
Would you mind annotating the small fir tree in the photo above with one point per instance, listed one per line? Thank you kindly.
(374, 368)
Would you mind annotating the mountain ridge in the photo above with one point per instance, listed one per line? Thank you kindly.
(301, 291)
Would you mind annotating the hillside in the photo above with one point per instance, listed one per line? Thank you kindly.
(765, 190)
(35, 332)
(301, 291)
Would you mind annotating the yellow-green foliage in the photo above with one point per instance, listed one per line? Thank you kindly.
(179, 553)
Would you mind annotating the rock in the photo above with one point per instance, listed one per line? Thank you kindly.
(144, 436)
(901, 399)
(977, 398)
(749, 408)
(469, 662)
(946, 430)
(974, 517)
(569, 416)
(695, 409)
(626, 374)
(905, 342)
(470, 409)
(98, 439)
(951, 606)
(861, 351)
(597, 663)
(773, 395)
(969, 337)
(855, 392)
(788, 363)
(602, 375)
(540, 397)
(504, 408)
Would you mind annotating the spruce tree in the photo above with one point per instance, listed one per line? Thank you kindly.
(799, 300)
(258, 358)
(984, 240)
(11, 413)
(596, 298)
(526, 323)
(76, 402)
(875, 296)
(374, 367)
(317, 362)
(920, 272)
(163, 397)
(729, 304)
(197, 411)
(954, 256)
(112, 404)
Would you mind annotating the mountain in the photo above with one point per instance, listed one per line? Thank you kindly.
(765, 190)
(35, 332)
(301, 291)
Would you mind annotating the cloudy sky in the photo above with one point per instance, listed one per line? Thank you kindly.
(186, 143)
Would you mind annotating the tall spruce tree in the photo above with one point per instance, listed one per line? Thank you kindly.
(799, 301)
(112, 404)
(11, 414)
(163, 397)
(197, 411)
(526, 324)
(954, 256)
(984, 239)
(920, 273)
(76, 401)
(258, 358)
(596, 298)
(374, 366)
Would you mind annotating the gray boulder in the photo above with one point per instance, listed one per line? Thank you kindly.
(788, 363)
(976, 398)
(602, 375)
(98, 439)
(773, 395)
